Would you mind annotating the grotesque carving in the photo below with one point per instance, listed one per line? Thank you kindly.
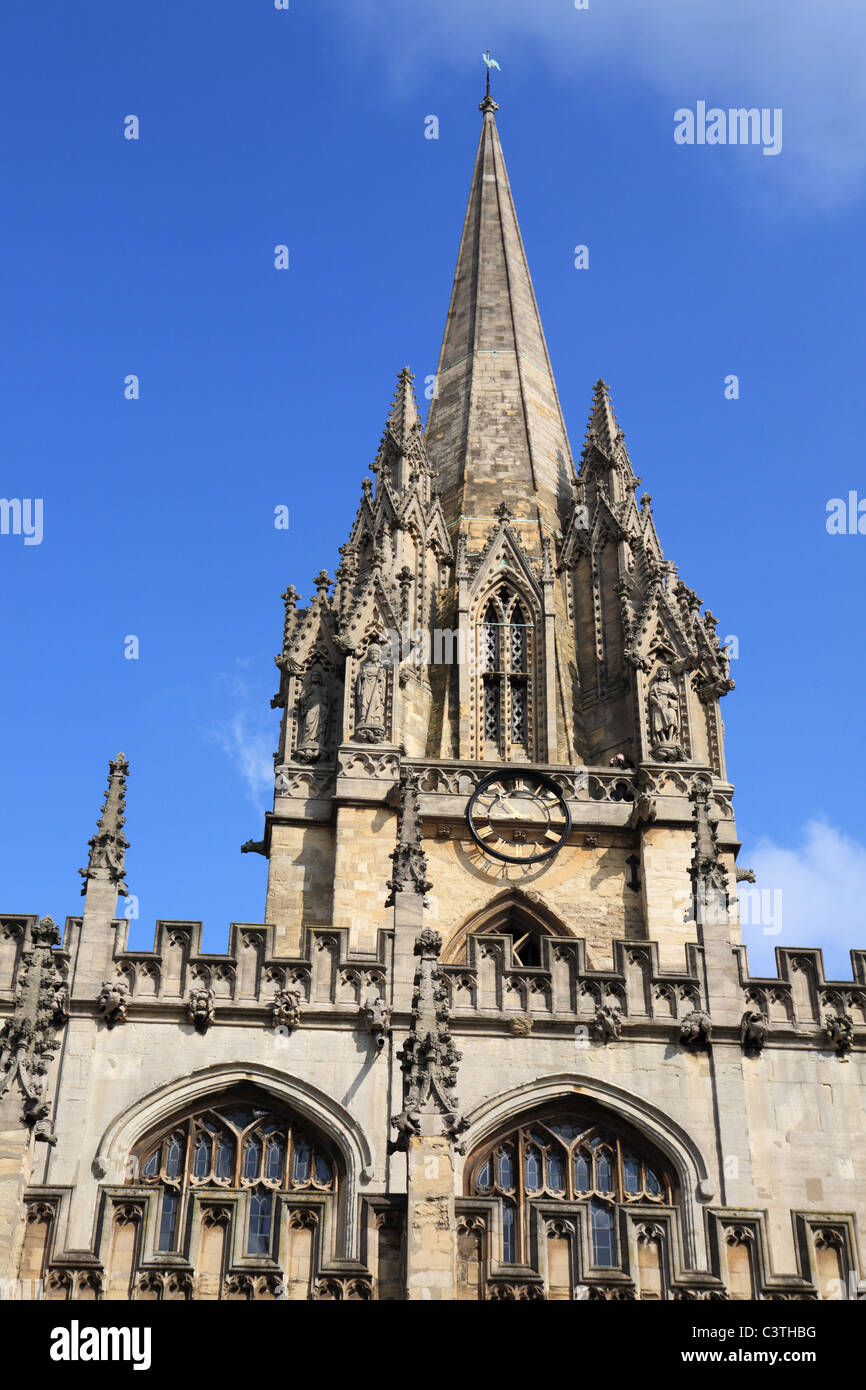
(371, 695)
(607, 1023)
(429, 1057)
(410, 862)
(113, 1002)
(315, 717)
(377, 1019)
(664, 716)
(754, 1030)
(644, 811)
(286, 1007)
(696, 1029)
(200, 1007)
(28, 1038)
(520, 1026)
(839, 1028)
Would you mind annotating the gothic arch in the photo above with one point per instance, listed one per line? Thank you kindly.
(664, 1134)
(498, 915)
(158, 1108)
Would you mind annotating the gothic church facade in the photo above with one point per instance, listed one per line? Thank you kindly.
(497, 1037)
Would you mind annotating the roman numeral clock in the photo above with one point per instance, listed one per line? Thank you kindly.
(519, 817)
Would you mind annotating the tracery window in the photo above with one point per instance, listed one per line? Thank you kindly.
(568, 1158)
(240, 1149)
(504, 652)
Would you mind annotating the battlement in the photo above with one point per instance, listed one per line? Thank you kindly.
(327, 978)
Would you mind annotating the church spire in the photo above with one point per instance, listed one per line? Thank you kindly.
(495, 429)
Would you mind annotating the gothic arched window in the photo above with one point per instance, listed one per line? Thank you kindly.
(245, 1150)
(563, 1156)
(505, 656)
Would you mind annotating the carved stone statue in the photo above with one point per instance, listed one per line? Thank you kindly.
(754, 1030)
(839, 1028)
(663, 710)
(286, 1008)
(315, 716)
(200, 1007)
(607, 1023)
(113, 1002)
(377, 1019)
(696, 1029)
(371, 691)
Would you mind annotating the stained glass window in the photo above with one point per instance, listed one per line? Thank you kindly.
(572, 1160)
(240, 1148)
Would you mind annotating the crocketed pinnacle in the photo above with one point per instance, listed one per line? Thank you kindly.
(109, 845)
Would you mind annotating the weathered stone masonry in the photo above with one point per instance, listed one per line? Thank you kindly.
(432, 1073)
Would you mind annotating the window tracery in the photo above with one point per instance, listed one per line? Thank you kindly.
(241, 1149)
(564, 1157)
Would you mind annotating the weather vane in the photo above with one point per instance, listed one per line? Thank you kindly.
(489, 63)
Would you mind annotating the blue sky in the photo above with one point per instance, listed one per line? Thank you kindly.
(260, 387)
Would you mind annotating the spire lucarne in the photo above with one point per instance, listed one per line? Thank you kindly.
(495, 430)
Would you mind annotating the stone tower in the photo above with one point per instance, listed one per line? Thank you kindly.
(496, 1037)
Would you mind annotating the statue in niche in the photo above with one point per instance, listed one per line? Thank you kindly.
(371, 692)
(315, 717)
(664, 715)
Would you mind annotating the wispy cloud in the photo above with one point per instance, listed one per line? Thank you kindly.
(805, 57)
(821, 895)
(246, 734)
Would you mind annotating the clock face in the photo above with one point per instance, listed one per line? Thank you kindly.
(520, 817)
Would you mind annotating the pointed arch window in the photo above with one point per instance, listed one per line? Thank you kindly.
(505, 655)
(564, 1156)
(244, 1150)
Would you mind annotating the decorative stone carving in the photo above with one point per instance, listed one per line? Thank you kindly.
(28, 1039)
(371, 696)
(607, 1023)
(286, 1007)
(428, 1056)
(200, 1007)
(521, 1026)
(409, 874)
(344, 1290)
(707, 872)
(754, 1030)
(663, 703)
(744, 875)
(839, 1028)
(644, 811)
(515, 1293)
(611, 1293)
(376, 1015)
(113, 1002)
(696, 1029)
(314, 710)
(109, 845)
